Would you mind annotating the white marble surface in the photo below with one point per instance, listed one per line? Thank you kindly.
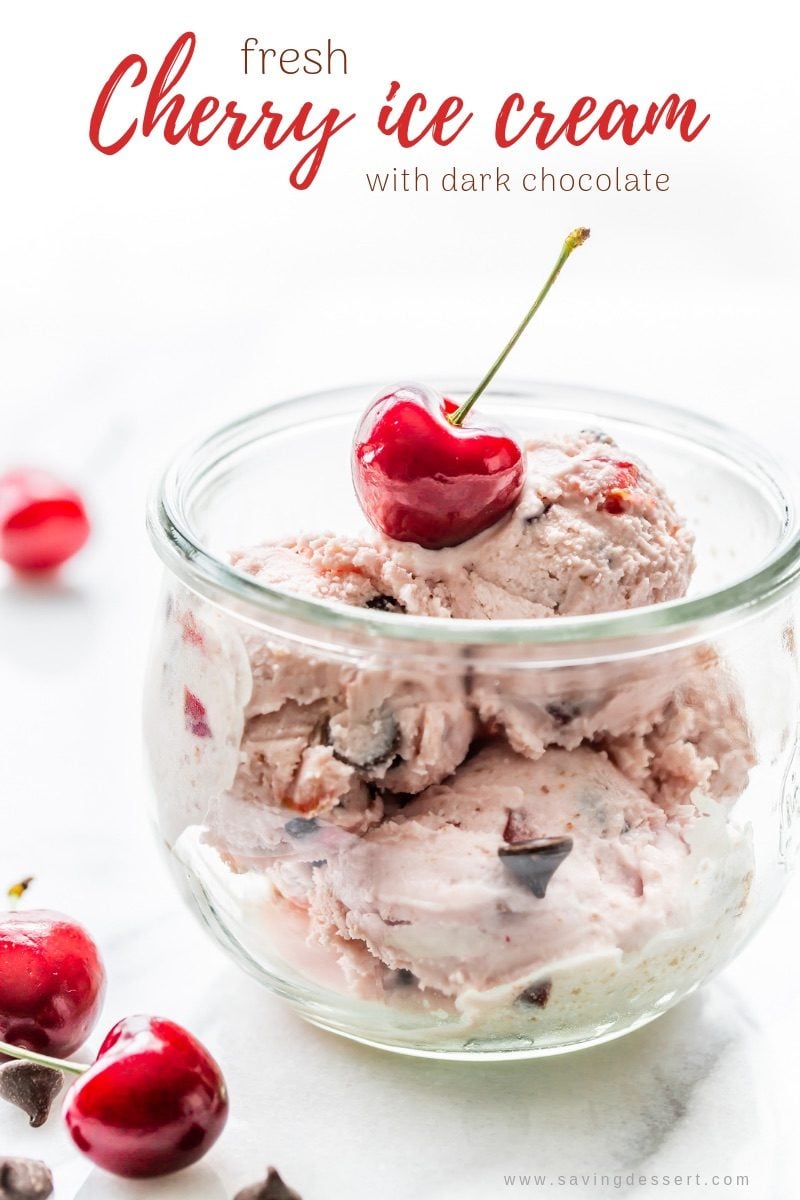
(710, 1088)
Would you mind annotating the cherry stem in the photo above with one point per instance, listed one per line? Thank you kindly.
(576, 238)
(18, 890)
(43, 1060)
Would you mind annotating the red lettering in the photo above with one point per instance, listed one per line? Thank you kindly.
(616, 118)
(202, 111)
(580, 110)
(672, 110)
(104, 99)
(177, 59)
(236, 138)
(606, 127)
(448, 111)
(514, 103)
(305, 172)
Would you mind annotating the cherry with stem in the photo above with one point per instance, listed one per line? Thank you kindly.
(421, 474)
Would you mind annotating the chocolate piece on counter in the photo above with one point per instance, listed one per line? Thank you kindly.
(535, 863)
(300, 827)
(563, 711)
(31, 1087)
(537, 994)
(24, 1179)
(385, 604)
(273, 1188)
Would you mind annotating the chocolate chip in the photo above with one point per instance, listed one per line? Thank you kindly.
(535, 863)
(31, 1087)
(537, 994)
(532, 518)
(371, 743)
(385, 604)
(273, 1188)
(300, 827)
(599, 436)
(563, 711)
(404, 978)
(25, 1179)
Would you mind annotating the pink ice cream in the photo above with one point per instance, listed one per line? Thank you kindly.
(593, 532)
(377, 801)
(428, 892)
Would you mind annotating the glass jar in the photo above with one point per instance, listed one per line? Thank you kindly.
(647, 758)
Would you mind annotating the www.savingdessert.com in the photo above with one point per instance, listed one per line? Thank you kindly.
(543, 181)
(631, 1179)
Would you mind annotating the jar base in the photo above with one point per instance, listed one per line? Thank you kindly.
(478, 1049)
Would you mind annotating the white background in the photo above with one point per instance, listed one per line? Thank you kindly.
(150, 295)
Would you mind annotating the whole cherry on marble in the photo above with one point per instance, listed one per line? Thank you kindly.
(52, 981)
(423, 472)
(154, 1100)
(43, 521)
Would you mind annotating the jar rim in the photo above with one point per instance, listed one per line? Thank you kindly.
(198, 567)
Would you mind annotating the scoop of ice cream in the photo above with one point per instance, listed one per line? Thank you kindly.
(429, 893)
(320, 728)
(671, 722)
(699, 742)
(594, 531)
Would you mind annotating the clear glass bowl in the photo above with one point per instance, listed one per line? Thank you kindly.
(672, 760)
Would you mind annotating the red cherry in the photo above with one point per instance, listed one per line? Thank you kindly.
(42, 521)
(153, 1102)
(419, 478)
(422, 475)
(52, 982)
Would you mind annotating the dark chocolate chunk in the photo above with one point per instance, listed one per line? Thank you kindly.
(373, 743)
(599, 436)
(563, 711)
(300, 827)
(31, 1087)
(537, 994)
(273, 1188)
(385, 604)
(532, 518)
(535, 863)
(25, 1179)
(404, 977)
